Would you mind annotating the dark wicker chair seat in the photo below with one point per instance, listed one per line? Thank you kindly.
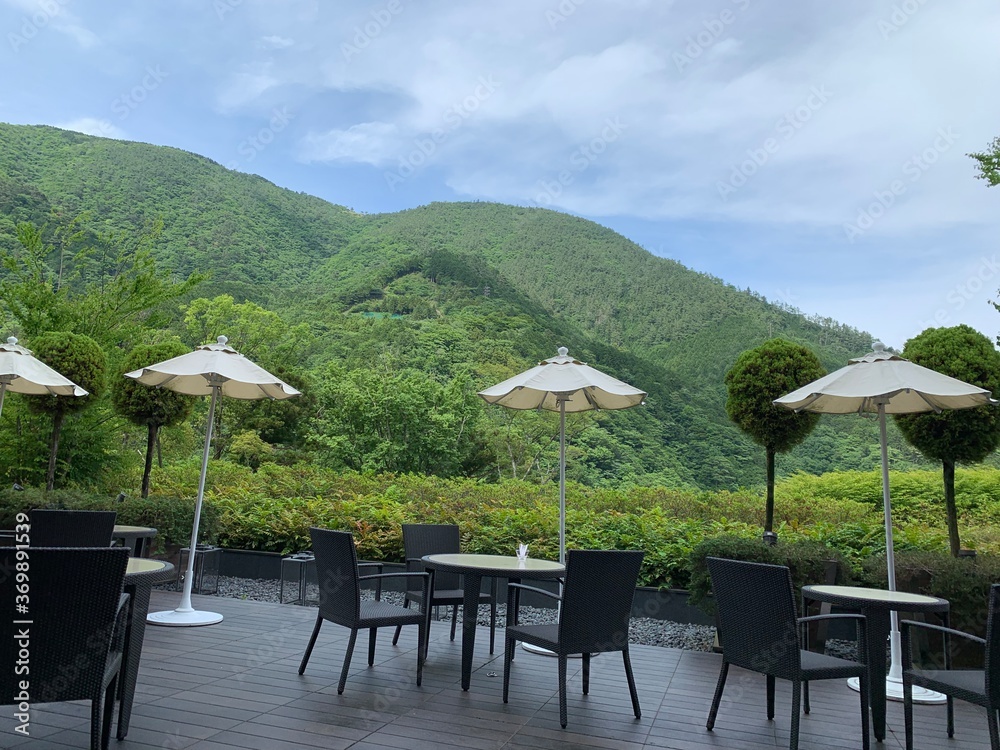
(340, 600)
(595, 608)
(78, 618)
(757, 624)
(980, 687)
(420, 539)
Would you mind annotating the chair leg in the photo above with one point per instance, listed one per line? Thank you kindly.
(454, 620)
(865, 729)
(805, 697)
(493, 611)
(908, 712)
(585, 658)
(793, 743)
(951, 717)
(631, 683)
(717, 698)
(770, 697)
(395, 636)
(109, 711)
(991, 717)
(372, 633)
(347, 661)
(312, 642)
(562, 690)
(508, 655)
(421, 638)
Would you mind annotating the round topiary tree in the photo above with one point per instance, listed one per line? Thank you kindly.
(965, 435)
(147, 407)
(755, 380)
(78, 358)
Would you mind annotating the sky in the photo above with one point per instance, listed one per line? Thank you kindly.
(813, 152)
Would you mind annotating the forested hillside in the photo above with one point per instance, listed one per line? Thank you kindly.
(391, 322)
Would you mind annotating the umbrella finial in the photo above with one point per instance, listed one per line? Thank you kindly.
(222, 340)
(12, 340)
(878, 346)
(563, 351)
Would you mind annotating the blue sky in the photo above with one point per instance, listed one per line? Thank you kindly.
(813, 152)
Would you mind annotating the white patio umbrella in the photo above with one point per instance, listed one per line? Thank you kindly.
(210, 370)
(885, 383)
(563, 384)
(22, 372)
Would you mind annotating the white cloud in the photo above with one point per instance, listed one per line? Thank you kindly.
(374, 143)
(94, 126)
(276, 42)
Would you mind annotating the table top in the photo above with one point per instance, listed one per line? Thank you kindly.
(860, 596)
(147, 567)
(501, 565)
(133, 530)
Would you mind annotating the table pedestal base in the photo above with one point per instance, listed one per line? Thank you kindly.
(894, 692)
(183, 618)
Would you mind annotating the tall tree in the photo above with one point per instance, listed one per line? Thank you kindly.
(80, 359)
(756, 379)
(989, 163)
(965, 435)
(147, 407)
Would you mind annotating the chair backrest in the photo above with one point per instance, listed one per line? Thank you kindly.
(421, 539)
(757, 616)
(597, 599)
(71, 597)
(337, 574)
(993, 646)
(72, 528)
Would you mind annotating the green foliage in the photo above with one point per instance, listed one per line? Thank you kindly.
(989, 163)
(958, 435)
(761, 375)
(248, 449)
(76, 357)
(145, 406)
(807, 561)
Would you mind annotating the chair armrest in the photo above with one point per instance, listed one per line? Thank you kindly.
(380, 576)
(121, 626)
(858, 618)
(904, 629)
(513, 592)
(534, 590)
(378, 585)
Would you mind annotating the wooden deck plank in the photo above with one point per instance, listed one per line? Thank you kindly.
(235, 685)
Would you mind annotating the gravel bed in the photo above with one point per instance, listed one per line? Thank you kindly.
(643, 630)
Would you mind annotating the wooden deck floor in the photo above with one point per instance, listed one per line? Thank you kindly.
(235, 685)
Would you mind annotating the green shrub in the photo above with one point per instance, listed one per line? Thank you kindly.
(807, 560)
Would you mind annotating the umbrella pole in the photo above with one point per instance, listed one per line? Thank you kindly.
(896, 654)
(185, 614)
(3, 392)
(562, 481)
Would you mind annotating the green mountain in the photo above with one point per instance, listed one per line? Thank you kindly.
(454, 290)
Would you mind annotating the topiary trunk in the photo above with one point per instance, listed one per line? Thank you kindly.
(57, 422)
(949, 505)
(769, 506)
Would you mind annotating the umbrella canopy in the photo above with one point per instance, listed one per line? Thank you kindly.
(885, 383)
(563, 384)
(210, 370)
(22, 372)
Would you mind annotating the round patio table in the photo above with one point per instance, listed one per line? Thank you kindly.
(137, 538)
(140, 577)
(474, 568)
(877, 605)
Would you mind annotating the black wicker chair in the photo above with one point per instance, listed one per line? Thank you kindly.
(340, 599)
(595, 607)
(440, 539)
(72, 528)
(72, 647)
(978, 686)
(759, 631)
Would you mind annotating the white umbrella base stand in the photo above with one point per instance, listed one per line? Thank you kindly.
(183, 618)
(533, 649)
(894, 692)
